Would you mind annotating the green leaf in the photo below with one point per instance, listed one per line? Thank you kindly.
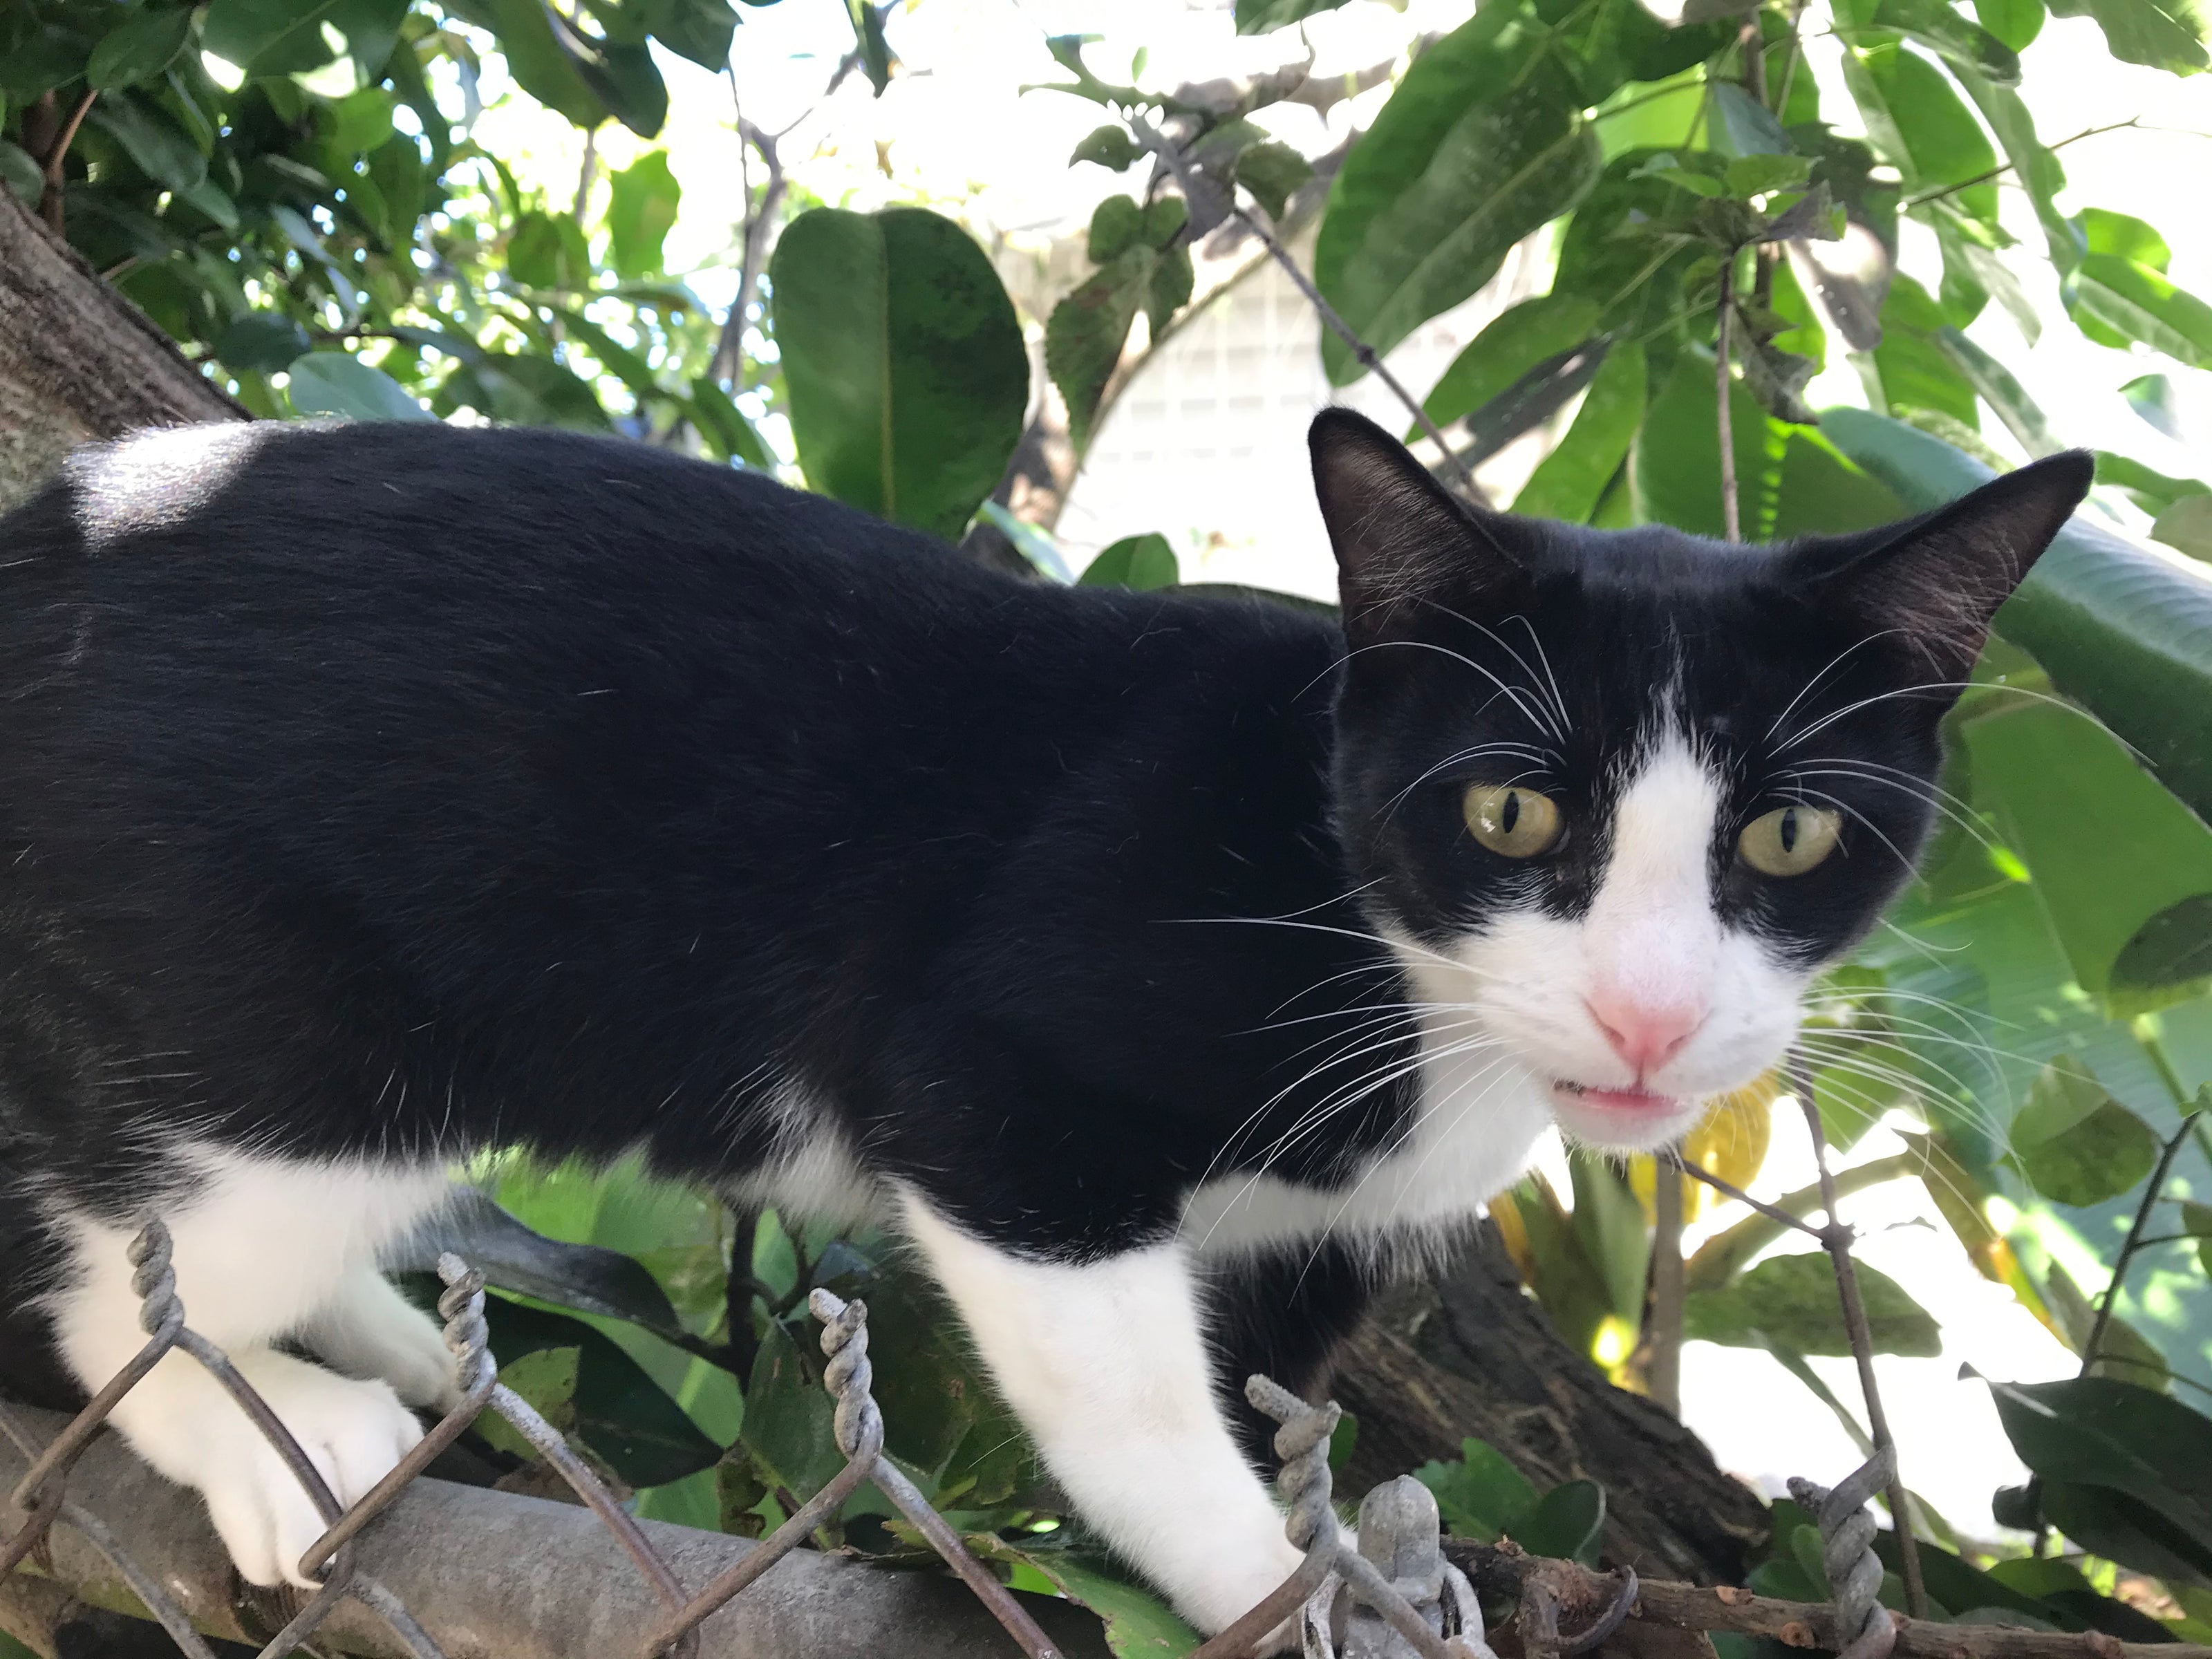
(1994, 383)
(262, 341)
(2015, 22)
(1274, 173)
(1482, 142)
(1791, 1300)
(697, 29)
(1140, 561)
(725, 427)
(512, 1256)
(1944, 32)
(535, 57)
(242, 30)
(789, 1426)
(2098, 1433)
(1480, 1494)
(22, 173)
(1568, 1524)
(2076, 1143)
(544, 252)
(1085, 337)
(1116, 224)
(163, 153)
(1110, 147)
(1791, 480)
(1610, 1225)
(137, 49)
(2125, 237)
(640, 211)
(1754, 175)
(2125, 1530)
(1260, 16)
(546, 1380)
(1139, 1626)
(529, 391)
(337, 383)
(907, 378)
(1920, 126)
(1742, 126)
(2168, 34)
(1567, 483)
(874, 50)
(2039, 766)
(2140, 304)
(2186, 525)
(2125, 631)
(2036, 167)
(625, 1417)
(2144, 485)
(2151, 396)
(1512, 344)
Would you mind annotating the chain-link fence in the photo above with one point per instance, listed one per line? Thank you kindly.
(1386, 1592)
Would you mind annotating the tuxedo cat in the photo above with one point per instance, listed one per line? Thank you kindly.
(1160, 966)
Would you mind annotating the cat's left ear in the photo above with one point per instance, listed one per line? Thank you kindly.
(1399, 535)
(1937, 580)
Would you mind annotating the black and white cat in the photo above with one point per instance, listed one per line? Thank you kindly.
(1157, 966)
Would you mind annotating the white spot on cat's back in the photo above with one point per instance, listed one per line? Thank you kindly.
(156, 480)
(811, 1171)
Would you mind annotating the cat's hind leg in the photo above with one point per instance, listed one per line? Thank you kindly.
(259, 1248)
(1105, 1361)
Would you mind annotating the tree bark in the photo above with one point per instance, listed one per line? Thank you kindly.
(77, 360)
(1472, 1355)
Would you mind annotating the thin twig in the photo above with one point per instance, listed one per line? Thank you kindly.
(1663, 1370)
(1772, 1212)
(1161, 146)
(2135, 1241)
(1731, 511)
(587, 171)
(1838, 1240)
(50, 199)
(1999, 171)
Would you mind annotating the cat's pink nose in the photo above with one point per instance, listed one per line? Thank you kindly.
(1644, 1033)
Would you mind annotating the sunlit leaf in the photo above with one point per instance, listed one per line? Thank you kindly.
(1792, 1299)
(337, 383)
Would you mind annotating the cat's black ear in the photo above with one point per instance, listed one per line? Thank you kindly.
(1937, 580)
(1397, 533)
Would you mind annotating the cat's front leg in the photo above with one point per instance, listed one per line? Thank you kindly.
(260, 1250)
(1103, 1360)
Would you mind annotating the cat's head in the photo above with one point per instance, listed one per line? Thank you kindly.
(1618, 795)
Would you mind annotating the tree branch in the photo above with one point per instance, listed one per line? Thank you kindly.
(1999, 171)
(1503, 1570)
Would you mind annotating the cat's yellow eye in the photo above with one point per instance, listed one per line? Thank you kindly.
(1789, 841)
(1511, 821)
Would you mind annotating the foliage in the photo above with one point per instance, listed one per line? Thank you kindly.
(294, 189)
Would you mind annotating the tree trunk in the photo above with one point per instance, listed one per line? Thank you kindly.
(1472, 1355)
(77, 360)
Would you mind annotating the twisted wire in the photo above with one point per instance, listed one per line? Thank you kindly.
(1301, 1442)
(154, 1281)
(849, 1375)
(461, 1304)
(1847, 1555)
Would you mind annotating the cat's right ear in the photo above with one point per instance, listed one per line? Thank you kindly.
(1399, 537)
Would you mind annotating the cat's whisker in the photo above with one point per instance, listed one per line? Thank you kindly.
(1537, 643)
(1844, 770)
(1826, 720)
(1833, 663)
(1438, 956)
(1520, 751)
(1850, 811)
(1558, 711)
(1536, 717)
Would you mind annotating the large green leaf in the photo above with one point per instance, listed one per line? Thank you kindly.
(535, 55)
(163, 153)
(2108, 847)
(2168, 34)
(2075, 1142)
(1792, 1300)
(790, 1425)
(621, 1412)
(137, 49)
(1480, 1494)
(1920, 125)
(1915, 371)
(1567, 483)
(2098, 1433)
(1791, 480)
(1482, 142)
(1143, 562)
(640, 209)
(907, 377)
(1567, 1524)
(2125, 630)
(2140, 304)
(1942, 30)
(2035, 166)
(1138, 1625)
(1509, 345)
(337, 383)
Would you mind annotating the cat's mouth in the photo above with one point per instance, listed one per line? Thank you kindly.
(1617, 1100)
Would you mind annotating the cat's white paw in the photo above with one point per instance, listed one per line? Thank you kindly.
(1223, 1588)
(368, 1329)
(353, 1432)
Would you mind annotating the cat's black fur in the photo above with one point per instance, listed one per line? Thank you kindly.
(394, 788)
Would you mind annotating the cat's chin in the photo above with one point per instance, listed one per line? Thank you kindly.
(1626, 1120)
